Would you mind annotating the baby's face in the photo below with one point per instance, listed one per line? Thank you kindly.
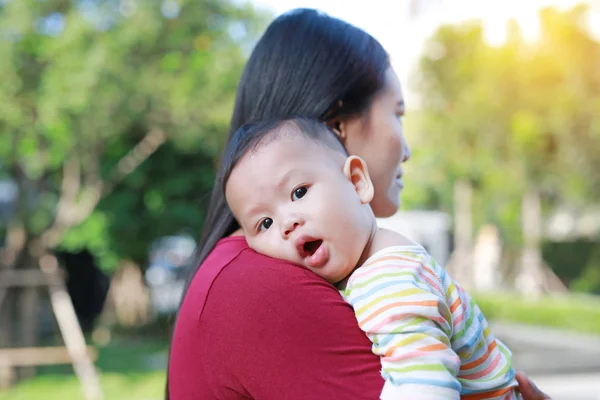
(295, 202)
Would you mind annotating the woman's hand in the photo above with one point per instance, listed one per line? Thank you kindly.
(528, 388)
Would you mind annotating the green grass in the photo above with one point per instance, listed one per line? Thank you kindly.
(130, 369)
(138, 386)
(576, 313)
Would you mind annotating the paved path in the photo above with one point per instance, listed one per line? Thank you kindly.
(564, 365)
(571, 386)
(544, 351)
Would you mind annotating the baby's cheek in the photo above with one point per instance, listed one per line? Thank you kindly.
(253, 244)
(269, 246)
(260, 245)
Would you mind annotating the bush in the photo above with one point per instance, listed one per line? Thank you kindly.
(589, 281)
(579, 313)
(575, 262)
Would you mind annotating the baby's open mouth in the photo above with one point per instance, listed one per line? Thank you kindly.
(311, 247)
(312, 251)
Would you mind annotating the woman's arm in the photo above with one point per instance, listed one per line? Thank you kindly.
(274, 330)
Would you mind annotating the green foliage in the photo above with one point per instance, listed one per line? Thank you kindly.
(85, 81)
(509, 118)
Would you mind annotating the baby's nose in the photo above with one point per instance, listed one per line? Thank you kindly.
(291, 223)
(290, 227)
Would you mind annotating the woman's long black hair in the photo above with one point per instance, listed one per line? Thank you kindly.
(306, 64)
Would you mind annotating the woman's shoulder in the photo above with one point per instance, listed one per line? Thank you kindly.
(255, 310)
(250, 271)
(234, 275)
(232, 258)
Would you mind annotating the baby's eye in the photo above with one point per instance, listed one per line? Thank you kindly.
(266, 224)
(299, 193)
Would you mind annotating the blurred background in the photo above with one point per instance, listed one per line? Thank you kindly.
(113, 114)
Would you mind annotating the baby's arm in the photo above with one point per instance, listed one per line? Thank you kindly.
(400, 304)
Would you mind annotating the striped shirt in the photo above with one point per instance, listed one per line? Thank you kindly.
(433, 340)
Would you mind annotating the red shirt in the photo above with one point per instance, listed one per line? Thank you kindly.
(252, 327)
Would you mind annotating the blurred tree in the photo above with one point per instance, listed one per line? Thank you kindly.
(90, 90)
(516, 117)
(111, 115)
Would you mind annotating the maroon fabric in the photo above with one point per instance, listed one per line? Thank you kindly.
(252, 327)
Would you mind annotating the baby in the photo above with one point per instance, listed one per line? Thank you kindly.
(299, 197)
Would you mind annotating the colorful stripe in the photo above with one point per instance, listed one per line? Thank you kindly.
(428, 331)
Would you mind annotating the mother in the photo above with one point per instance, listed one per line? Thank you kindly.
(251, 327)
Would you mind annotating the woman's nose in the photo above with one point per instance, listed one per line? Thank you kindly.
(406, 152)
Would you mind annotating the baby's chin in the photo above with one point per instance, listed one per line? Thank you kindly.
(337, 274)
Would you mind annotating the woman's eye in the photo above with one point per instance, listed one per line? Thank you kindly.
(266, 224)
(299, 193)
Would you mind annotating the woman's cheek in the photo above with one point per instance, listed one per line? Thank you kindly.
(395, 149)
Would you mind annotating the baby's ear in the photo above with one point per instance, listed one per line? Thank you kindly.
(356, 171)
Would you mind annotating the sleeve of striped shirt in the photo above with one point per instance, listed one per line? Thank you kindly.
(399, 302)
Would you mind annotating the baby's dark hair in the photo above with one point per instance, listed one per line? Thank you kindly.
(251, 137)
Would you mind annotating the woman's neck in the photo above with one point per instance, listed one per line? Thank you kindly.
(387, 238)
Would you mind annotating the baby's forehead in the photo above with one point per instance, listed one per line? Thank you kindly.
(289, 157)
(300, 146)
(281, 156)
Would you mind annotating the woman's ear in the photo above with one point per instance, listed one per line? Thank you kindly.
(338, 127)
(356, 171)
(337, 124)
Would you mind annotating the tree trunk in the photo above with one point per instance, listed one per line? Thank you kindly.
(28, 310)
(7, 319)
(530, 279)
(130, 296)
(460, 264)
(7, 303)
(11, 256)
